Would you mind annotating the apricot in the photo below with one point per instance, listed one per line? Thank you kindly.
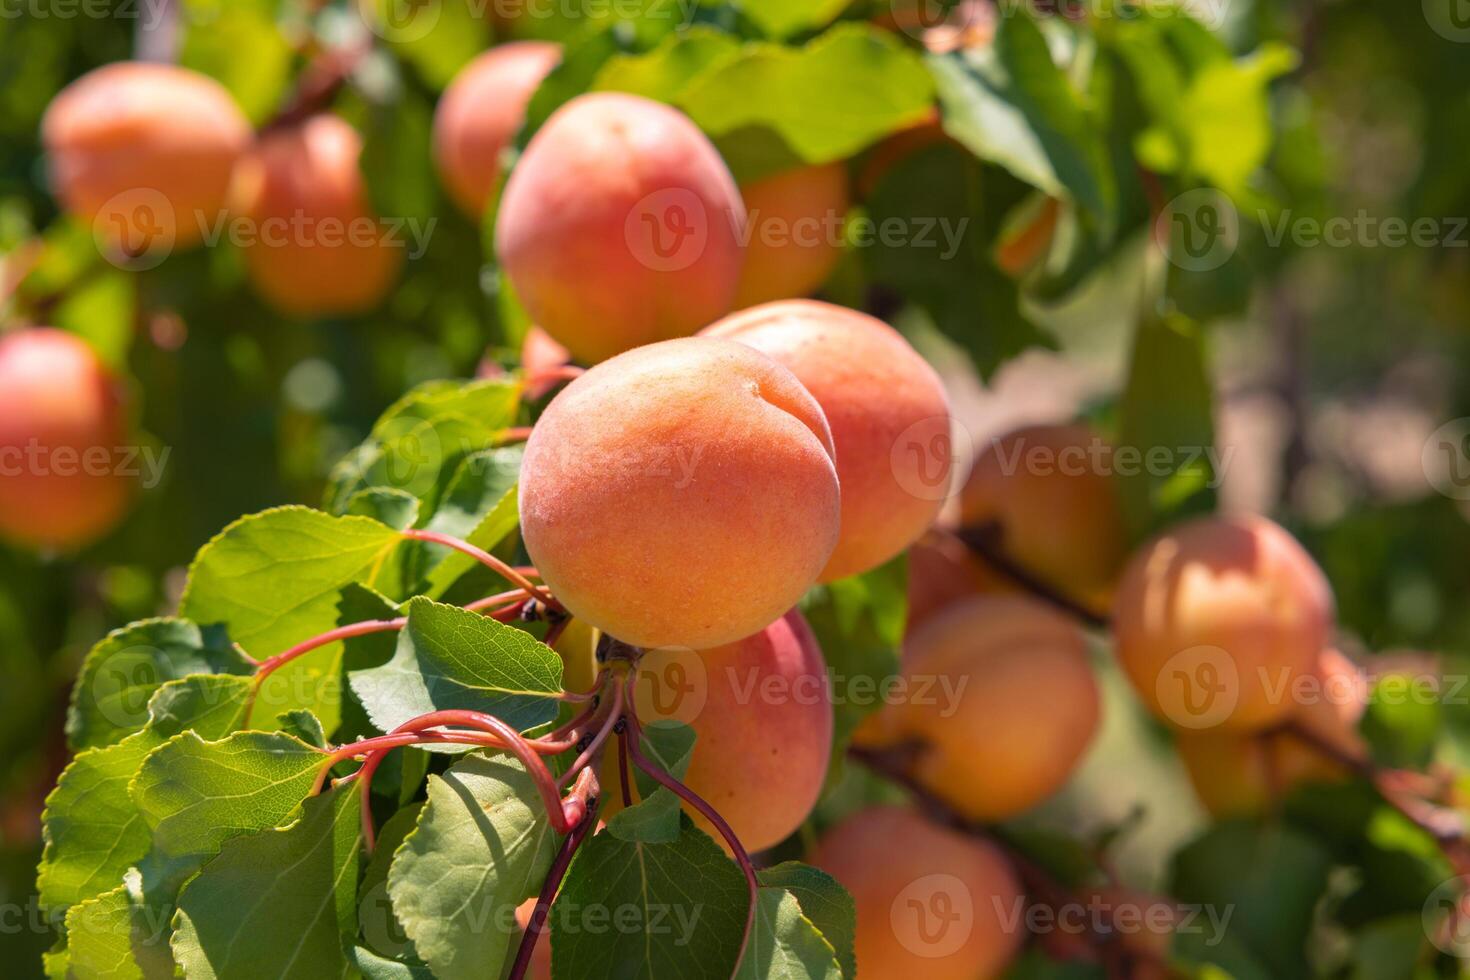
(1243, 774)
(63, 427)
(942, 571)
(620, 226)
(539, 354)
(315, 248)
(888, 411)
(144, 151)
(681, 494)
(479, 115)
(1216, 619)
(1049, 494)
(761, 710)
(793, 233)
(1001, 702)
(931, 902)
(540, 966)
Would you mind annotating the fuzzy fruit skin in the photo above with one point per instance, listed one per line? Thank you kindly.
(55, 392)
(762, 714)
(1058, 513)
(882, 400)
(681, 494)
(303, 194)
(1243, 775)
(148, 132)
(900, 869)
(794, 233)
(601, 201)
(480, 113)
(1240, 593)
(1024, 709)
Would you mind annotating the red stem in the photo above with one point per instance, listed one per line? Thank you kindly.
(693, 799)
(614, 712)
(562, 372)
(623, 768)
(484, 557)
(537, 924)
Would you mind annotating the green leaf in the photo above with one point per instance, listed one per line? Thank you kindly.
(858, 623)
(1167, 405)
(450, 658)
(825, 902)
(238, 43)
(274, 579)
(483, 845)
(785, 944)
(437, 38)
(396, 160)
(666, 71)
(282, 903)
(842, 92)
(195, 795)
(944, 264)
(1010, 103)
(1270, 875)
(121, 673)
(481, 506)
(1401, 723)
(398, 509)
(118, 937)
(92, 828)
(419, 442)
(783, 18)
(655, 818)
(375, 967)
(697, 893)
(303, 725)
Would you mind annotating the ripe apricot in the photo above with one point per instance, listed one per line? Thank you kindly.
(1050, 496)
(761, 710)
(479, 114)
(145, 152)
(681, 494)
(1242, 774)
(1217, 618)
(620, 226)
(793, 233)
(888, 411)
(1002, 704)
(316, 249)
(931, 902)
(63, 426)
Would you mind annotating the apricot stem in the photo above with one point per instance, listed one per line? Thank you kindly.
(562, 372)
(710, 813)
(484, 557)
(983, 541)
(537, 924)
(613, 714)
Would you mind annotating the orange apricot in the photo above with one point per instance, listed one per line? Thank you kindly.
(145, 152)
(315, 248)
(681, 494)
(942, 571)
(479, 114)
(889, 416)
(63, 427)
(1002, 704)
(1049, 494)
(793, 233)
(931, 902)
(1216, 619)
(621, 226)
(761, 710)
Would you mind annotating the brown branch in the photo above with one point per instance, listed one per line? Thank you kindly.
(319, 85)
(984, 541)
